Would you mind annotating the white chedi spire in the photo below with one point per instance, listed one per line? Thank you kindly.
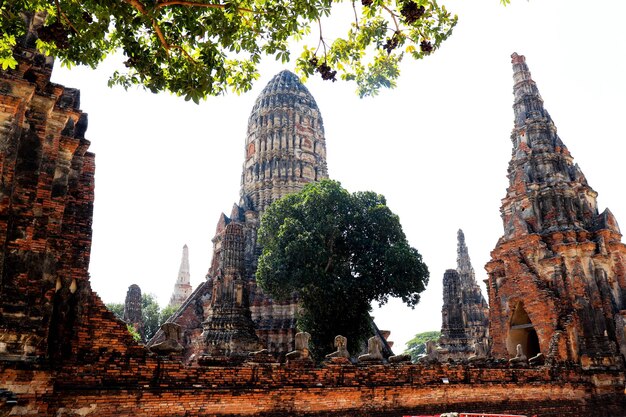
(182, 288)
(183, 271)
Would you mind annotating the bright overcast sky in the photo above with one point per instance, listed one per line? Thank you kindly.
(437, 146)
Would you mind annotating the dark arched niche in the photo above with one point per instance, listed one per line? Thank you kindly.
(522, 331)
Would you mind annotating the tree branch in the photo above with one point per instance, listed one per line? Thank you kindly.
(157, 29)
(321, 42)
(64, 16)
(329, 264)
(393, 16)
(181, 49)
(166, 3)
(159, 33)
(138, 5)
(356, 17)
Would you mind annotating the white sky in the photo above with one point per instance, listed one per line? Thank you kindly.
(437, 146)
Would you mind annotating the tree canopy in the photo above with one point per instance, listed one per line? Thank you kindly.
(196, 48)
(151, 313)
(117, 309)
(339, 252)
(417, 346)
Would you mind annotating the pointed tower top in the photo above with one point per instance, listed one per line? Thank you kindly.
(517, 59)
(528, 103)
(463, 263)
(460, 237)
(285, 148)
(182, 288)
(132, 305)
(284, 89)
(183, 271)
(547, 191)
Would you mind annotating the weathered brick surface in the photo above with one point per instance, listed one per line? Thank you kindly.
(62, 353)
(46, 205)
(120, 385)
(556, 277)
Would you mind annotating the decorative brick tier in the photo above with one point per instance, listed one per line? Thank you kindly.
(557, 277)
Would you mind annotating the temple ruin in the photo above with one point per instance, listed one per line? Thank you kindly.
(228, 316)
(46, 206)
(557, 282)
(464, 328)
(557, 274)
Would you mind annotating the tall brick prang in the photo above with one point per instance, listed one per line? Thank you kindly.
(285, 150)
(46, 204)
(557, 281)
(285, 145)
(465, 312)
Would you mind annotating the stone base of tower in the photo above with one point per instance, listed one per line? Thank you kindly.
(457, 349)
(274, 322)
(552, 294)
(229, 332)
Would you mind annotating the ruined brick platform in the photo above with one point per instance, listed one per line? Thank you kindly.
(151, 387)
(62, 353)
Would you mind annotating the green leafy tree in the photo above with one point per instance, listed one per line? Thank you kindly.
(196, 48)
(167, 312)
(417, 345)
(151, 313)
(339, 252)
(117, 309)
(134, 333)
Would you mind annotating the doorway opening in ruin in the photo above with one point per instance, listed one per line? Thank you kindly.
(522, 332)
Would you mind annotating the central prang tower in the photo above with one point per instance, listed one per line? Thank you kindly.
(228, 316)
(285, 145)
(285, 149)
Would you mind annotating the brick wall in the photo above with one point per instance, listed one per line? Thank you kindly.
(46, 206)
(122, 385)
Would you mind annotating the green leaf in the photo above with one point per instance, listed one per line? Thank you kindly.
(8, 63)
